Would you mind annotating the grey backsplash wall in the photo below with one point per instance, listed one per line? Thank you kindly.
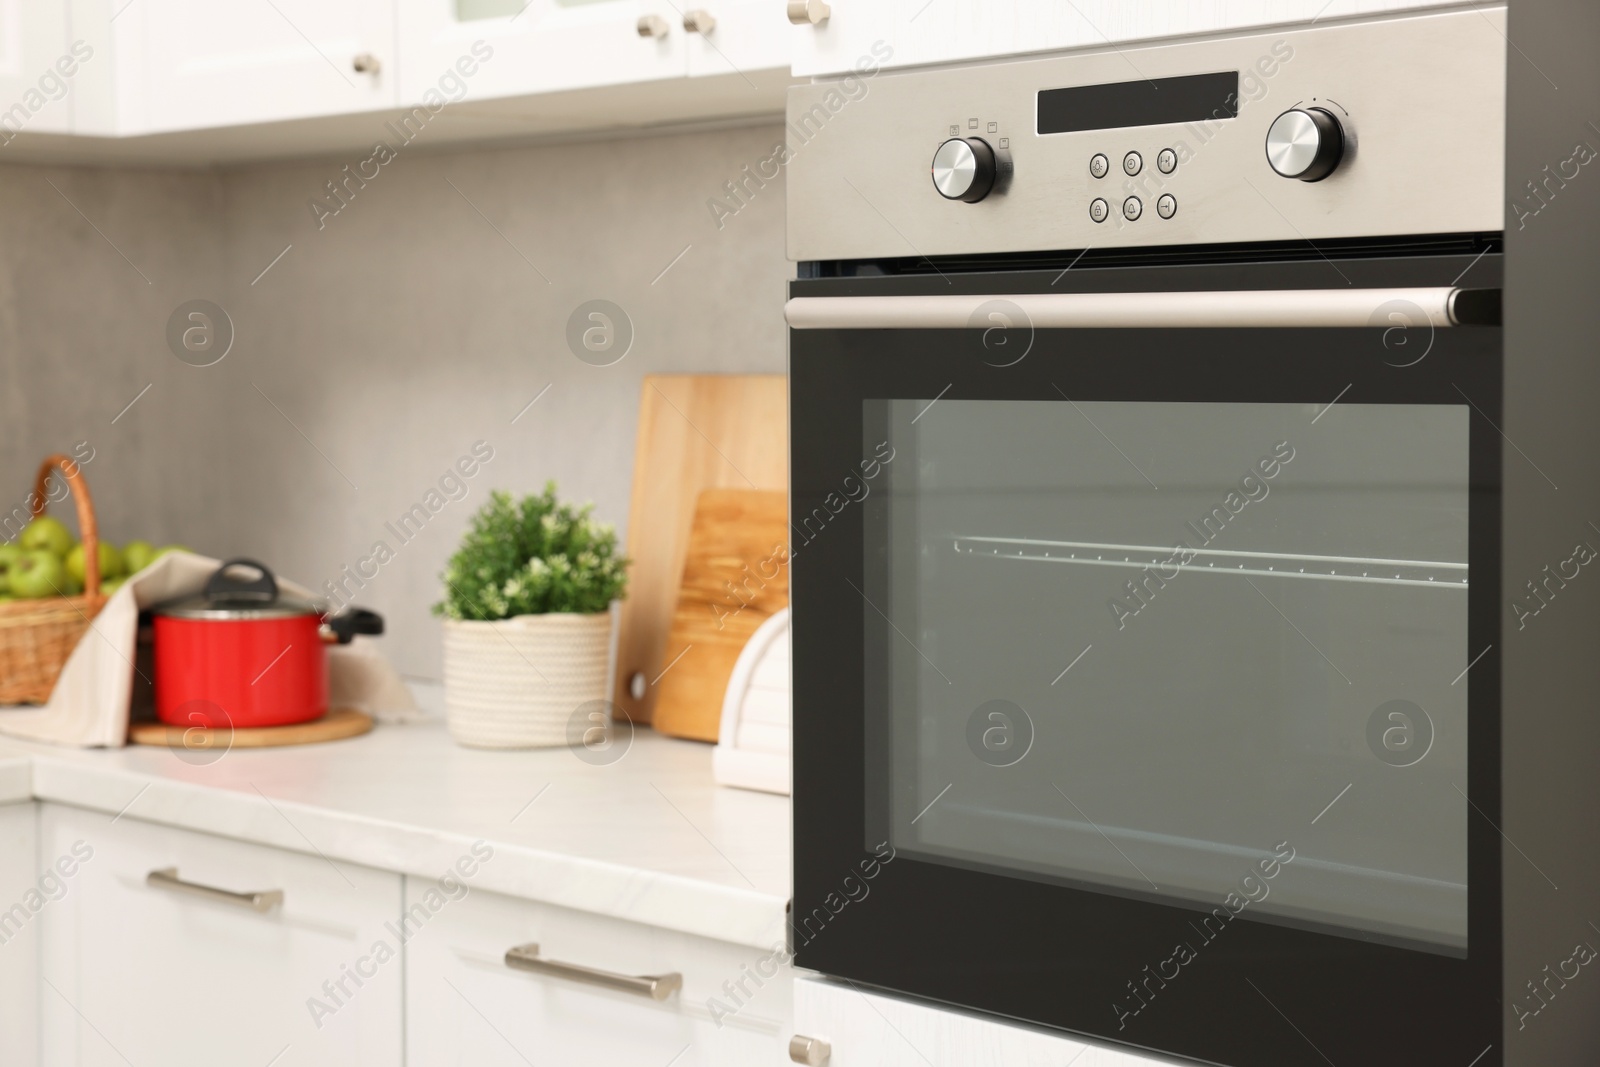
(379, 348)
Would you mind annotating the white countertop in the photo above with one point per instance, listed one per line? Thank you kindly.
(648, 838)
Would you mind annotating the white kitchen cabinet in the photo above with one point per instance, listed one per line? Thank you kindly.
(199, 81)
(195, 64)
(35, 94)
(869, 1030)
(134, 972)
(745, 36)
(903, 33)
(546, 46)
(21, 900)
(465, 1006)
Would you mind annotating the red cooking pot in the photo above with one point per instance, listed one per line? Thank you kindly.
(242, 654)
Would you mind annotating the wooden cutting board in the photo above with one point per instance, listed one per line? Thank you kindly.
(337, 725)
(735, 576)
(696, 432)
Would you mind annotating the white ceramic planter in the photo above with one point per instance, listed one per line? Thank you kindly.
(516, 683)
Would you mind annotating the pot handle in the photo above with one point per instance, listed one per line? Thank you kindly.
(223, 586)
(347, 624)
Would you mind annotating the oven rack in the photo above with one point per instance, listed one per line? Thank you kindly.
(1410, 572)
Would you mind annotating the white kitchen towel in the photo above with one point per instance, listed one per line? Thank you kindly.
(89, 705)
(359, 676)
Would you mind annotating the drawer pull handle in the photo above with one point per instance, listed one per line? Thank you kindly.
(167, 878)
(654, 986)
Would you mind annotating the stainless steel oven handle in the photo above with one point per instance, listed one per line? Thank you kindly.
(1283, 308)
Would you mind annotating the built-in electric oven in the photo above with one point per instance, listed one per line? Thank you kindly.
(1145, 517)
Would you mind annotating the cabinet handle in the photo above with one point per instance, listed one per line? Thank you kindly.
(652, 26)
(811, 1051)
(654, 986)
(366, 63)
(699, 21)
(808, 12)
(167, 878)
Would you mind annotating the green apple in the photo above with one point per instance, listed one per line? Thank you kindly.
(45, 532)
(164, 549)
(10, 552)
(137, 555)
(39, 573)
(107, 588)
(110, 562)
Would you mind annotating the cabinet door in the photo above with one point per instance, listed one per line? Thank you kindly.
(466, 1008)
(143, 973)
(544, 46)
(21, 900)
(35, 95)
(869, 1030)
(745, 36)
(191, 64)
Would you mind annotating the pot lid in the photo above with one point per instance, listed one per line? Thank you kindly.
(239, 589)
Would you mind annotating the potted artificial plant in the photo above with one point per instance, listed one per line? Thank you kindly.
(527, 620)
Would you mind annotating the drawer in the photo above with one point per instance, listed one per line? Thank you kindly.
(466, 1006)
(192, 972)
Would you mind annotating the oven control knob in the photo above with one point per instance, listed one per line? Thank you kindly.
(1305, 143)
(964, 169)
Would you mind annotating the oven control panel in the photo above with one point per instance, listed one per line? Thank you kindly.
(1293, 133)
(1131, 205)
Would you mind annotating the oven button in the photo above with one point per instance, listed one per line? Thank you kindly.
(964, 169)
(1167, 161)
(1305, 143)
(1099, 209)
(1132, 163)
(1132, 208)
(1166, 207)
(1099, 164)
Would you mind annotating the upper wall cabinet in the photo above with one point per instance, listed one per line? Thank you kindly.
(901, 33)
(522, 47)
(193, 64)
(737, 36)
(194, 82)
(37, 68)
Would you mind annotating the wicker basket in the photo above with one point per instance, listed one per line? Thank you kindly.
(517, 683)
(37, 636)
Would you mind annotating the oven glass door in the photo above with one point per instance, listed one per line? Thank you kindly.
(1139, 635)
(1135, 664)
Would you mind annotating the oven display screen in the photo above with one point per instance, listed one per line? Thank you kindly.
(1146, 102)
